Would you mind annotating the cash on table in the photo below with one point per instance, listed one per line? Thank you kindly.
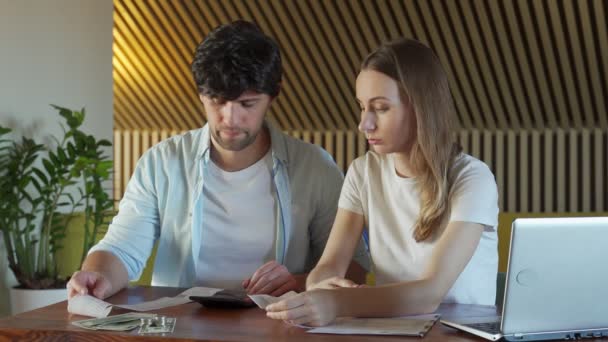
(147, 323)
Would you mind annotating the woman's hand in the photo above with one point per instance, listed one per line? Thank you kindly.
(314, 308)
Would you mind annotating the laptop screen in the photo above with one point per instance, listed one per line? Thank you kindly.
(556, 275)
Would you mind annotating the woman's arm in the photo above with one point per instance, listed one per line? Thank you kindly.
(343, 239)
(319, 307)
(453, 252)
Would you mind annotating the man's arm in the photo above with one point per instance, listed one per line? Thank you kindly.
(122, 253)
(102, 275)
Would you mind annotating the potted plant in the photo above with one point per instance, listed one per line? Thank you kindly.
(41, 188)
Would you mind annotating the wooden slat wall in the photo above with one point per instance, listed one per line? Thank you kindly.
(512, 64)
(536, 170)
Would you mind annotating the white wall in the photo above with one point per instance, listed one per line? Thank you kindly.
(59, 52)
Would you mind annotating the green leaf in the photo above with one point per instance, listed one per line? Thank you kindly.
(58, 236)
(66, 113)
(74, 119)
(49, 167)
(37, 185)
(68, 195)
(105, 165)
(66, 182)
(80, 116)
(61, 155)
(91, 144)
(71, 150)
(54, 159)
(23, 182)
(104, 142)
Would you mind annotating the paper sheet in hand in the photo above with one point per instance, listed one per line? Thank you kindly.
(406, 326)
(90, 306)
(264, 300)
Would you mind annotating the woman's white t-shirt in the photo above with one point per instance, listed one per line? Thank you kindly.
(391, 205)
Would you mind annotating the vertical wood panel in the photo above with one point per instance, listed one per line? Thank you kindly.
(549, 176)
(573, 171)
(118, 165)
(340, 149)
(500, 169)
(511, 185)
(561, 184)
(600, 157)
(585, 170)
(535, 171)
(521, 159)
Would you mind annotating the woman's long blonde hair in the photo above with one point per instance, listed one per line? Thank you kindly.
(423, 83)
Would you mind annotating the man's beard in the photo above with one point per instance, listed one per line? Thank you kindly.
(234, 145)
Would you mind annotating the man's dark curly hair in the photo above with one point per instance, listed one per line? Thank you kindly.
(234, 58)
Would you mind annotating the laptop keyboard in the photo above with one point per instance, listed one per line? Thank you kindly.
(490, 327)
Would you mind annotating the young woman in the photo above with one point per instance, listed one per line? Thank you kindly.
(431, 210)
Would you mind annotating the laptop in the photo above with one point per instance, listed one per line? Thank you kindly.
(556, 283)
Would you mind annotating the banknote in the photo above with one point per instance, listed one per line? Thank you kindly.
(123, 322)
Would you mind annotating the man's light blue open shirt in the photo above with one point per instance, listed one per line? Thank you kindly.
(163, 201)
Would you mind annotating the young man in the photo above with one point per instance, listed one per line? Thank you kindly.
(235, 204)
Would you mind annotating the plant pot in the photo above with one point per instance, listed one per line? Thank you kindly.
(25, 299)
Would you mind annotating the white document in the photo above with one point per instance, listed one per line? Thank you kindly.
(264, 300)
(91, 306)
(156, 304)
(406, 326)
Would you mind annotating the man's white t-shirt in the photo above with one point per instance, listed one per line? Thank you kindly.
(391, 206)
(238, 233)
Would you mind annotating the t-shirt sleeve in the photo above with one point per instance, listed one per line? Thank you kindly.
(474, 196)
(350, 197)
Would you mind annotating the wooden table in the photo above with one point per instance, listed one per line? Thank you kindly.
(195, 323)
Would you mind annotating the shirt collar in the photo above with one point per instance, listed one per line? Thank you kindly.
(277, 142)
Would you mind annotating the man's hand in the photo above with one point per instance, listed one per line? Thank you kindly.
(272, 278)
(92, 283)
(333, 283)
